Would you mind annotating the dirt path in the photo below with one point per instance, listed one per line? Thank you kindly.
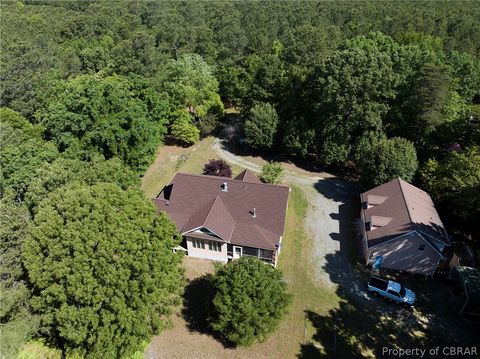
(325, 195)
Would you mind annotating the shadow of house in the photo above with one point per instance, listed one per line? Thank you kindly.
(347, 195)
(363, 326)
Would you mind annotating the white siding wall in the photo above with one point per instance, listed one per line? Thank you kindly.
(207, 253)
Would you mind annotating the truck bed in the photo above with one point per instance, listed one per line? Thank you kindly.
(378, 282)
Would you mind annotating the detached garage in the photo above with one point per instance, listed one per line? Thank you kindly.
(400, 223)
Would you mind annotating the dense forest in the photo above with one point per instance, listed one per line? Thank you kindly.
(90, 89)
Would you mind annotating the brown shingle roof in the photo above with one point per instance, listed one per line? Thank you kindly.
(194, 201)
(247, 176)
(409, 208)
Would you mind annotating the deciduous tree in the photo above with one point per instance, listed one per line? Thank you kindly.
(455, 182)
(381, 160)
(261, 125)
(113, 116)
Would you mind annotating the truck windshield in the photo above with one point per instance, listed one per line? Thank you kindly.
(402, 292)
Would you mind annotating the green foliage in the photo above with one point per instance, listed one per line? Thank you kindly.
(430, 97)
(191, 84)
(350, 92)
(17, 323)
(113, 116)
(101, 263)
(183, 130)
(261, 126)
(455, 182)
(250, 299)
(63, 171)
(15, 129)
(18, 163)
(381, 160)
(272, 172)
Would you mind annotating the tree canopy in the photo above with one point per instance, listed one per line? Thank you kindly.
(381, 159)
(101, 263)
(455, 182)
(261, 125)
(191, 84)
(250, 299)
(113, 116)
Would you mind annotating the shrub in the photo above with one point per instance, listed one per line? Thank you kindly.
(218, 168)
(272, 172)
(250, 299)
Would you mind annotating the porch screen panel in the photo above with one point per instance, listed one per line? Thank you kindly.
(249, 251)
(265, 253)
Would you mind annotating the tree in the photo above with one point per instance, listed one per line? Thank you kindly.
(455, 182)
(272, 172)
(380, 159)
(261, 126)
(218, 168)
(114, 116)
(250, 299)
(18, 164)
(103, 271)
(15, 129)
(63, 171)
(191, 85)
(428, 101)
(183, 130)
(350, 91)
(16, 318)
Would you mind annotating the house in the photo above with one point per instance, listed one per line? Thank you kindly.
(400, 223)
(222, 218)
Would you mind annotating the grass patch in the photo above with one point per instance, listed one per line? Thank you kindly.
(172, 159)
(36, 349)
(296, 264)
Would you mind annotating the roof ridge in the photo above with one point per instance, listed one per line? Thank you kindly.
(229, 179)
(211, 208)
(404, 199)
(260, 229)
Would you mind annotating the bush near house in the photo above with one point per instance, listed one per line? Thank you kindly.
(249, 301)
(218, 168)
(272, 172)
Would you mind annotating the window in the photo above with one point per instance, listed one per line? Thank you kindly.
(421, 247)
(214, 246)
(393, 293)
(198, 243)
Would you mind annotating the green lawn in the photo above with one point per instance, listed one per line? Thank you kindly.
(172, 159)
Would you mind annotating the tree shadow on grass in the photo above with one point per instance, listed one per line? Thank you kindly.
(197, 303)
(365, 326)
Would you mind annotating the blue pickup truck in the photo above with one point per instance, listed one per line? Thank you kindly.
(391, 290)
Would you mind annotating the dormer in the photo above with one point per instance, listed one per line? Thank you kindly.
(374, 200)
(378, 222)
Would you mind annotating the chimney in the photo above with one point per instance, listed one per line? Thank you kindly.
(225, 187)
